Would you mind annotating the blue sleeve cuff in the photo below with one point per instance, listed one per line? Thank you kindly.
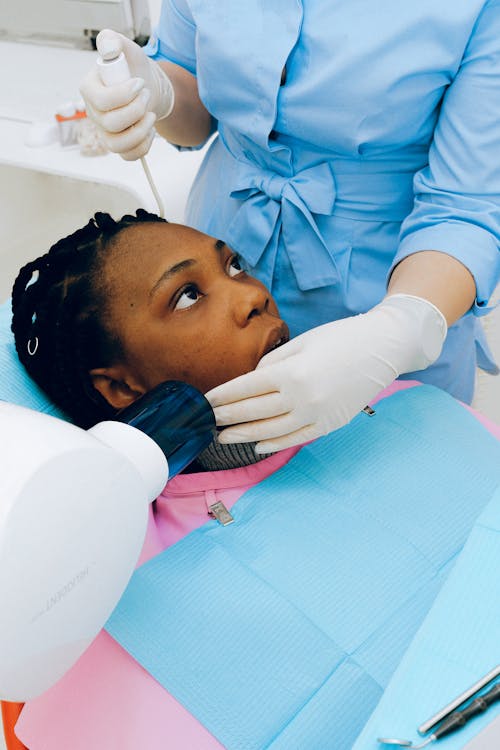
(473, 246)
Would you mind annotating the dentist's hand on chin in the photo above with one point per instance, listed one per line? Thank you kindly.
(320, 380)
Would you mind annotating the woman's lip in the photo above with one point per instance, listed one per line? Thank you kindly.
(279, 333)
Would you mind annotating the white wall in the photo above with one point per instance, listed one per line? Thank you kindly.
(154, 11)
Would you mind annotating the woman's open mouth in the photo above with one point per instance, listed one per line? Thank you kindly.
(280, 341)
(276, 338)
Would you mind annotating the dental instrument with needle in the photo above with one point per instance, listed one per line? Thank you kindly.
(115, 70)
(452, 719)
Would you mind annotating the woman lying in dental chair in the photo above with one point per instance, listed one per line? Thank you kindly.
(282, 629)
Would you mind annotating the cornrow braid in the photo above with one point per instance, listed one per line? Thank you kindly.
(59, 317)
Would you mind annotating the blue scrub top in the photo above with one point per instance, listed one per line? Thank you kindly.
(350, 135)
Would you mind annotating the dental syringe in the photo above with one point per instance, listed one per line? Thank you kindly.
(115, 70)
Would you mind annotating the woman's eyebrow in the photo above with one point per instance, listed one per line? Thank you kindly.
(218, 245)
(171, 272)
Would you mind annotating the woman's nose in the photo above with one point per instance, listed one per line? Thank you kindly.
(249, 300)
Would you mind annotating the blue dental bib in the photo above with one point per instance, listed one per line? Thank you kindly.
(282, 630)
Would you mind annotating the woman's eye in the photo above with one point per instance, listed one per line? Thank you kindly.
(189, 296)
(235, 266)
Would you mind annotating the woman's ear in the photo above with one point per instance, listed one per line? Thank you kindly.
(118, 389)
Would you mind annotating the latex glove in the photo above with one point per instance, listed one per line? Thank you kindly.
(320, 380)
(126, 112)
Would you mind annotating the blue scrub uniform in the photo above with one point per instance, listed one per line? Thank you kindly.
(350, 135)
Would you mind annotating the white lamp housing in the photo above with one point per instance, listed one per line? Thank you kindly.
(73, 517)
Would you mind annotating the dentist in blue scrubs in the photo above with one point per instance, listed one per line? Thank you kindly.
(355, 170)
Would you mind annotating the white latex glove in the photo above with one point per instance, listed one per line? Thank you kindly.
(320, 380)
(126, 112)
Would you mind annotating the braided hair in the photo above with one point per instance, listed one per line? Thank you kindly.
(60, 317)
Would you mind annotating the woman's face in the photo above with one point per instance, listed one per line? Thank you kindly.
(184, 310)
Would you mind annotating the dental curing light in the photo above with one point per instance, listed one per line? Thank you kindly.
(115, 70)
(73, 517)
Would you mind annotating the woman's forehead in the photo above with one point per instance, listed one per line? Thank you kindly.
(140, 246)
(142, 252)
(169, 238)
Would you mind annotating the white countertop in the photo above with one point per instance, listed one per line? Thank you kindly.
(36, 80)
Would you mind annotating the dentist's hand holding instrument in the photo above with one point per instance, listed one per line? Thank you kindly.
(127, 105)
(127, 130)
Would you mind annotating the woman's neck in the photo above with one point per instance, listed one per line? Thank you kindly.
(233, 456)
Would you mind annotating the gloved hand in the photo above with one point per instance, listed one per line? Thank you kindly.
(126, 112)
(320, 380)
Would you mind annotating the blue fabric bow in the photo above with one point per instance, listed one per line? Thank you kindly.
(274, 205)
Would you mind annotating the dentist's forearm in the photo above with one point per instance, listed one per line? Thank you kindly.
(189, 122)
(438, 278)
